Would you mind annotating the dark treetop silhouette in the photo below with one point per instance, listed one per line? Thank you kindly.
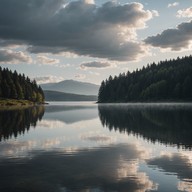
(166, 81)
(17, 86)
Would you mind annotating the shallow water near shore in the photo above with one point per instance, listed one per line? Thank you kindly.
(96, 147)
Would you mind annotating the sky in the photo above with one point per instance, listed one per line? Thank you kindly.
(87, 40)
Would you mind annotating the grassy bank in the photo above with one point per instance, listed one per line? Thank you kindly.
(4, 103)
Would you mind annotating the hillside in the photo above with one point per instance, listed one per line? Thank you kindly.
(71, 86)
(61, 96)
(166, 81)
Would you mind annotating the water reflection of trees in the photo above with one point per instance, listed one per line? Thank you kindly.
(166, 125)
(16, 122)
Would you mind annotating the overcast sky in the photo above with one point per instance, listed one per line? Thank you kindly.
(87, 40)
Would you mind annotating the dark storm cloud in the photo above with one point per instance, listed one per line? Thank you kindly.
(175, 39)
(50, 26)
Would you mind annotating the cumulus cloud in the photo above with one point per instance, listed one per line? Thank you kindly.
(46, 60)
(174, 39)
(48, 79)
(14, 57)
(175, 4)
(155, 13)
(79, 27)
(185, 12)
(90, 1)
(95, 64)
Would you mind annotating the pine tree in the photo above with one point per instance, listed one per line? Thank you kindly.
(17, 86)
(165, 81)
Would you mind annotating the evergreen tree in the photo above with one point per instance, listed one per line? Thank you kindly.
(17, 86)
(166, 81)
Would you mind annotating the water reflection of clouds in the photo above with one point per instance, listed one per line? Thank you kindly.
(113, 168)
(98, 138)
(176, 163)
(51, 124)
(22, 149)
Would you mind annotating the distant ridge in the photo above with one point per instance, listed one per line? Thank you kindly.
(61, 96)
(71, 86)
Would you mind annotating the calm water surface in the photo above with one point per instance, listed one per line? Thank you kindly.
(86, 147)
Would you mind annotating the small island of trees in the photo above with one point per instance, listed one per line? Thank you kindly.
(18, 87)
(166, 81)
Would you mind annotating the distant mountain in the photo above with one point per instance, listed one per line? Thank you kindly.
(71, 86)
(61, 96)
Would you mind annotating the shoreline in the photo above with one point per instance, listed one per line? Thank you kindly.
(4, 103)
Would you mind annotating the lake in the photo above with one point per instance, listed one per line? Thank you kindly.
(85, 147)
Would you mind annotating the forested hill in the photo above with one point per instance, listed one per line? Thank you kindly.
(17, 86)
(166, 81)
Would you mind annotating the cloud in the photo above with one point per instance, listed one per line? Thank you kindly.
(185, 186)
(174, 39)
(80, 76)
(89, 1)
(175, 4)
(48, 79)
(185, 12)
(79, 27)
(13, 57)
(46, 60)
(155, 13)
(10, 44)
(95, 64)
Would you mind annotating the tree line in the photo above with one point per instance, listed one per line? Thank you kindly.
(169, 80)
(17, 86)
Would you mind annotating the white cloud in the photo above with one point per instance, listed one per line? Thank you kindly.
(48, 79)
(89, 1)
(175, 4)
(46, 60)
(185, 12)
(80, 76)
(185, 185)
(94, 73)
(14, 57)
(155, 13)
